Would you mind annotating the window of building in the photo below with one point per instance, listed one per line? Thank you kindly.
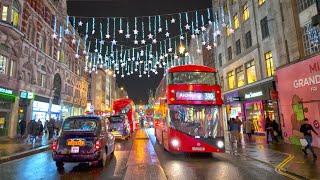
(229, 31)
(31, 33)
(245, 12)
(248, 39)
(304, 4)
(230, 79)
(218, 40)
(3, 64)
(229, 53)
(311, 39)
(260, 2)
(15, 13)
(12, 65)
(43, 42)
(236, 22)
(58, 55)
(240, 76)
(251, 72)
(4, 15)
(238, 47)
(269, 63)
(42, 80)
(264, 27)
(220, 60)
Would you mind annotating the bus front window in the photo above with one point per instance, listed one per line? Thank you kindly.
(196, 120)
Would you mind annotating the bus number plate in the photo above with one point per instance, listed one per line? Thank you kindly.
(198, 149)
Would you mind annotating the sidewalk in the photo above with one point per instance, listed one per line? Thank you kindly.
(285, 157)
(143, 162)
(11, 149)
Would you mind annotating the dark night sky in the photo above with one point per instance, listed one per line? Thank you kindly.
(138, 88)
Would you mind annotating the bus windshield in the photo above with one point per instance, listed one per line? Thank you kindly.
(196, 120)
(192, 78)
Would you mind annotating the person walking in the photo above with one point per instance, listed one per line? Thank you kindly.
(269, 130)
(32, 131)
(51, 128)
(248, 128)
(307, 130)
(275, 128)
(22, 127)
(234, 130)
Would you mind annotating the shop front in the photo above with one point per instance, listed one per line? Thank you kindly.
(258, 104)
(67, 110)
(299, 95)
(233, 105)
(7, 98)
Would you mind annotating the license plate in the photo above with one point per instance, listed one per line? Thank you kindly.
(198, 149)
(75, 149)
(73, 142)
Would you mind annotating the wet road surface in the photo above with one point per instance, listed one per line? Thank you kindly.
(205, 166)
(41, 166)
(143, 157)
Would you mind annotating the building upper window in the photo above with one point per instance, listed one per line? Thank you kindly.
(229, 53)
(4, 15)
(220, 59)
(3, 64)
(31, 33)
(248, 39)
(236, 22)
(269, 63)
(230, 79)
(245, 12)
(15, 13)
(42, 80)
(43, 42)
(240, 76)
(304, 4)
(218, 40)
(238, 47)
(251, 72)
(261, 2)
(264, 27)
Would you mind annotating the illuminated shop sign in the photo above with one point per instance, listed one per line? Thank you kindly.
(195, 96)
(5, 91)
(26, 95)
(253, 94)
(40, 106)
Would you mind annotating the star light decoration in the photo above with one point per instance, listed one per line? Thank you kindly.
(181, 37)
(114, 42)
(187, 27)
(102, 42)
(127, 36)
(143, 41)
(67, 31)
(80, 23)
(167, 34)
(135, 32)
(108, 36)
(160, 30)
(120, 31)
(203, 28)
(136, 42)
(193, 36)
(209, 47)
(197, 31)
(173, 20)
(54, 36)
(150, 36)
(170, 50)
(154, 41)
(73, 41)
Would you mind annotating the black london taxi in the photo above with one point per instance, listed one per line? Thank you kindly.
(83, 139)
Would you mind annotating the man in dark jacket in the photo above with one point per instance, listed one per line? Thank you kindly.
(306, 129)
(32, 130)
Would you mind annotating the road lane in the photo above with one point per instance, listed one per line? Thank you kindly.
(204, 166)
(41, 166)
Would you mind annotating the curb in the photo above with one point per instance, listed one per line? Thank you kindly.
(24, 154)
(278, 168)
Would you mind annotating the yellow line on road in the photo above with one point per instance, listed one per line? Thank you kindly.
(280, 167)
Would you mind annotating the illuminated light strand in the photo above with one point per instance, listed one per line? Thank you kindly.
(93, 25)
(187, 19)
(180, 23)
(108, 24)
(197, 23)
(114, 28)
(73, 26)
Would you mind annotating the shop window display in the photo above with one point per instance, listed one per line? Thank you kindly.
(254, 113)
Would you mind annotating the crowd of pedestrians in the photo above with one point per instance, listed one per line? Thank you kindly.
(32, 131)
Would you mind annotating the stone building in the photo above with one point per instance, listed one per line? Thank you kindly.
(40, 77)
(256, 37)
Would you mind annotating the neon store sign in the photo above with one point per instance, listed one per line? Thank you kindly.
(253, 94)
(6, 91)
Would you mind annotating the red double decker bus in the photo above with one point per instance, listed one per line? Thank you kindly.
(126, 106)
(187, 110)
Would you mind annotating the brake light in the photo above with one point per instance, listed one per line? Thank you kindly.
(97, 145)
(54, 146)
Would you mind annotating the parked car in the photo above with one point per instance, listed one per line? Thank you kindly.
(119, 126)
(83, 139)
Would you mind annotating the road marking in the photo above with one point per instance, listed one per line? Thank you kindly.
(280, 167)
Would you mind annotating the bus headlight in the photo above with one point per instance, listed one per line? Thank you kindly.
(220, 144)
(175, 142)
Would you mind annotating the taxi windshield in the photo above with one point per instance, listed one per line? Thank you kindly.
(80, 125)
(116, 119)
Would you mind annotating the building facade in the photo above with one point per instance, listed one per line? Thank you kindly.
(298, 83)
(257, 37)
(40, 77)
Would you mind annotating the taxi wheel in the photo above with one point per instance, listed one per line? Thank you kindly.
(59, 164)
(102, 161)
